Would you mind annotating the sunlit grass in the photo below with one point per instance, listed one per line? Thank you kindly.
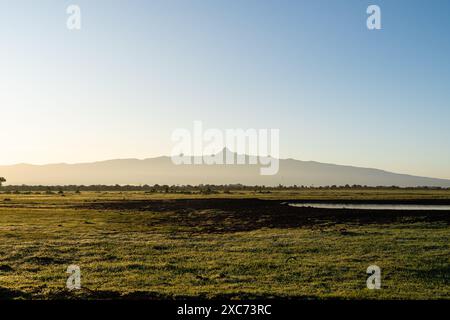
(124, 253)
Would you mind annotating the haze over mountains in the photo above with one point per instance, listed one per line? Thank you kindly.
(161, 170)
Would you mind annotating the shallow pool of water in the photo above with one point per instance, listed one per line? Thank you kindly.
(361, 206)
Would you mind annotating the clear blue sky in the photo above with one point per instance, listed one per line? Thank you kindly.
(137, 70)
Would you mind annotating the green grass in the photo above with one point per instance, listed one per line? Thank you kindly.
(128, 254)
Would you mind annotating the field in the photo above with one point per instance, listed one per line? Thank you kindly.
(136, 245)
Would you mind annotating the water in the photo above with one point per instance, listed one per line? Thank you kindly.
(371, 206)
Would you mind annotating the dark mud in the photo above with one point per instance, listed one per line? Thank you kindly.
(232, 215)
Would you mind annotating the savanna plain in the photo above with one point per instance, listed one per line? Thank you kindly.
(234, 245)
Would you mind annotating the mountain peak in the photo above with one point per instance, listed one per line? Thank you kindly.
(162, 170)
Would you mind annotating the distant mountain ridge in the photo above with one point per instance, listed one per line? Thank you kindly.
(161, 170)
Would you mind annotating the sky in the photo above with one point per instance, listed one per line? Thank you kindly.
(138, 70)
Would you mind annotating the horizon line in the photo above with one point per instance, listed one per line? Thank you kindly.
(235, 153)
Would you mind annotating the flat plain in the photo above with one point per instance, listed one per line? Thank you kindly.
(136, 245)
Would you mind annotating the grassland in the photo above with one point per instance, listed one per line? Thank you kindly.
(168, 246)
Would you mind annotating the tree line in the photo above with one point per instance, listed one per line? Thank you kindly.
(202, 188)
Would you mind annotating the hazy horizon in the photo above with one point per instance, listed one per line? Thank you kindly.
(168, 156)
(162, 171)
(137, 70)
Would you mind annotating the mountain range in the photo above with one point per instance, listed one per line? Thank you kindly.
(161, 170)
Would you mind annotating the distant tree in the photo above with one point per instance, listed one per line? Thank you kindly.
(2, 180)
